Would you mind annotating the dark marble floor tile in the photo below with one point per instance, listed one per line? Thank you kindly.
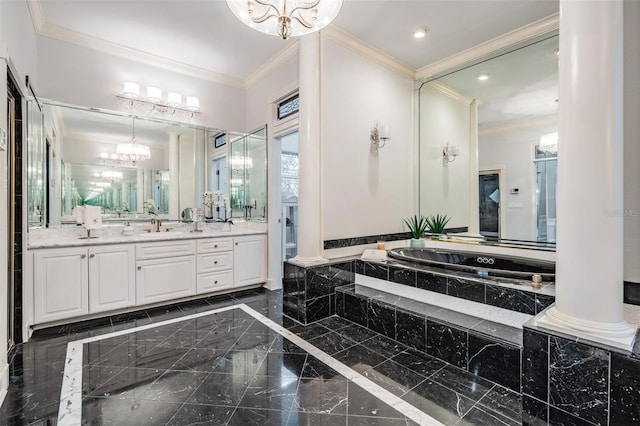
(378, 421)
(363, 403)
(270, 392)
(439, 402)
(431, 282)
(282, 364)
(297, 418)
(359, 358)
(196, 414)
(174, 386)
(534, 412)
(625, 390)
(129, 383)
(503, 403)
(535, 364)
(382, 318)
(356, 332)
(286, 346)
(332, 343)
(394, 377)
(95, 380)
(512, 299)
(562, 418)
(334, 323)
(240, 362)
(198, 359)
(258, 417)
(310, 331)
(578, 380)
(220, 389)
(465, 289)
(419, 362)
(447, 343)
(134, 412)
(462, 382)
(495, 361)
(482, 417)
(313, 368)
(384, 346)
(320, 395)
(411, 330)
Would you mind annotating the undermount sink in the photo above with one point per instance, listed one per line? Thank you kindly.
(160, 234)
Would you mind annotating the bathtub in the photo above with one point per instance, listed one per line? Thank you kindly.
(481, 264)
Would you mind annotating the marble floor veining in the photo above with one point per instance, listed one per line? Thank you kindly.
(236, 360)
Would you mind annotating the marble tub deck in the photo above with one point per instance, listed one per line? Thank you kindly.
(232, 360)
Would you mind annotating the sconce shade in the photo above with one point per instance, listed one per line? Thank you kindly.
(193, 103)
(174, 99)
(285, 18)
(154, 94)
(131, 89)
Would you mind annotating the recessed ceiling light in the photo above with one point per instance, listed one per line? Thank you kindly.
(420, 33)
(483, 77)
(557, 52)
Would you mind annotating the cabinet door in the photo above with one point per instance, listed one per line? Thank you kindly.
(112, 279)
(158, 280)
(61, 284)
(249, 260)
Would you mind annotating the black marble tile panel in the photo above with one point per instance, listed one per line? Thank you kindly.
(625, 390)
(543, 301)
(270, 392)
(334, 323)
(466, 289)
(394, 377)
(631, 293)
(512, 299)
(496, 330)
(375, 270)
(503, 403)
(411, 330)
(462, 382)
(535, 364)
(332, 399)
(382, 318)
(318, 308)
(322, 280)
(443, 404)
(431, 282)
(332, 343)
(356, 333)
(497, 362)
(534, 412)
(338, 302)
(447, 343)
(483, 417)
(402, 275)
(578, 379)
(367, 239)
(458, 319)
(359, 358)
(562, 418)
(423, 364)
(355, 309)
(384, 346)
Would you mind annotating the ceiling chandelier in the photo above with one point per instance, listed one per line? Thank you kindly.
(286, 18)
(133, 152)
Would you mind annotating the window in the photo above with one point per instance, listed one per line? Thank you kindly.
(288, 107)
(546, 162)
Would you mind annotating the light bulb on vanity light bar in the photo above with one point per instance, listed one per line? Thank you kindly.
(154, 94)
(193, 103)
(174, 99)
(131, 89)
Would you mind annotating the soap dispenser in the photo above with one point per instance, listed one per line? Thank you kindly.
(127, 230)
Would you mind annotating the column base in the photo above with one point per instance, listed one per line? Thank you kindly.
(305, 262)
(619, 335)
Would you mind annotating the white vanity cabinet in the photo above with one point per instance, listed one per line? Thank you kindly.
(70, 282)
(165, 271)
(249, 260)
(214, 265)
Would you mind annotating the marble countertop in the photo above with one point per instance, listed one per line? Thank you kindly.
(71, 236)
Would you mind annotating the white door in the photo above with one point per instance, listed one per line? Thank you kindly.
(61, 283)
(158, 280)
(112, 279)
(250, 260)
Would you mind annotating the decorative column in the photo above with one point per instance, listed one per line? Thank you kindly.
(589, 269)
(140, 190)
(474, 192)
(309, 152)
(200, 160)
(174, 175)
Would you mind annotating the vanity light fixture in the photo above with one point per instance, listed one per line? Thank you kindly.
(285, 18)
(420, 33)
(449, 153)
(379, 136)
(153, 104)
(133, 152)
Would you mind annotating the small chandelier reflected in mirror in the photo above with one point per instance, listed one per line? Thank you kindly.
(285, 18)
(133, 152)
(549, 143)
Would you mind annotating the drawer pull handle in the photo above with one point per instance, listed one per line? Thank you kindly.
(216, 246)
(236, 243)
(215, 262)
(139, 268)
(215, 282)
(92, 255)
(84, 256)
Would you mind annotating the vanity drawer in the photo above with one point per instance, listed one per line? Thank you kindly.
(215, 245)
(165, 249)
(214, 281)
(214, 262)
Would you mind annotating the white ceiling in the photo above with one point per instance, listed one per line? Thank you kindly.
(205, 34)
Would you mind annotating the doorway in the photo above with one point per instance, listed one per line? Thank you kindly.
(489, 190)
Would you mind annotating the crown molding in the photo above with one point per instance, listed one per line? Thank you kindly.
(347, 40)
(520, 124)
(56, 32)
(449, 92)
(265, 69)
(519, 35)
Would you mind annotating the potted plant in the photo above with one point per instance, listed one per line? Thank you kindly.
(417, 225)
(436, 224)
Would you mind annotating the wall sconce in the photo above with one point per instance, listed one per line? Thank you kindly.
(449, 153)
(379, 136)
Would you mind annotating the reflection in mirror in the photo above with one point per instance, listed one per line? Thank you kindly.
(500, 117)
(36, 164)
(87, 142)
(248, 175)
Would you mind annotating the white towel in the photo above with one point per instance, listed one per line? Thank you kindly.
(79, 214)
(93, 217)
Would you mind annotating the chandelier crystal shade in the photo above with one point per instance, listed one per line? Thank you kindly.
(133, 152)
(285, 18)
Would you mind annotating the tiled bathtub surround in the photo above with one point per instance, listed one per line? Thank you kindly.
(569, 381)
(485, 348)
(309, 292)
(515, 295)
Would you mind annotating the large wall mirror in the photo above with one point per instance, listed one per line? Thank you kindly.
(72, 161)
(506, 107)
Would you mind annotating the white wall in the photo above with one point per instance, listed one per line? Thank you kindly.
(16, 29)
(444, 187)
(364, 193)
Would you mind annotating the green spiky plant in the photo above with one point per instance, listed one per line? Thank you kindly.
(436, 223)
(417, 225)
